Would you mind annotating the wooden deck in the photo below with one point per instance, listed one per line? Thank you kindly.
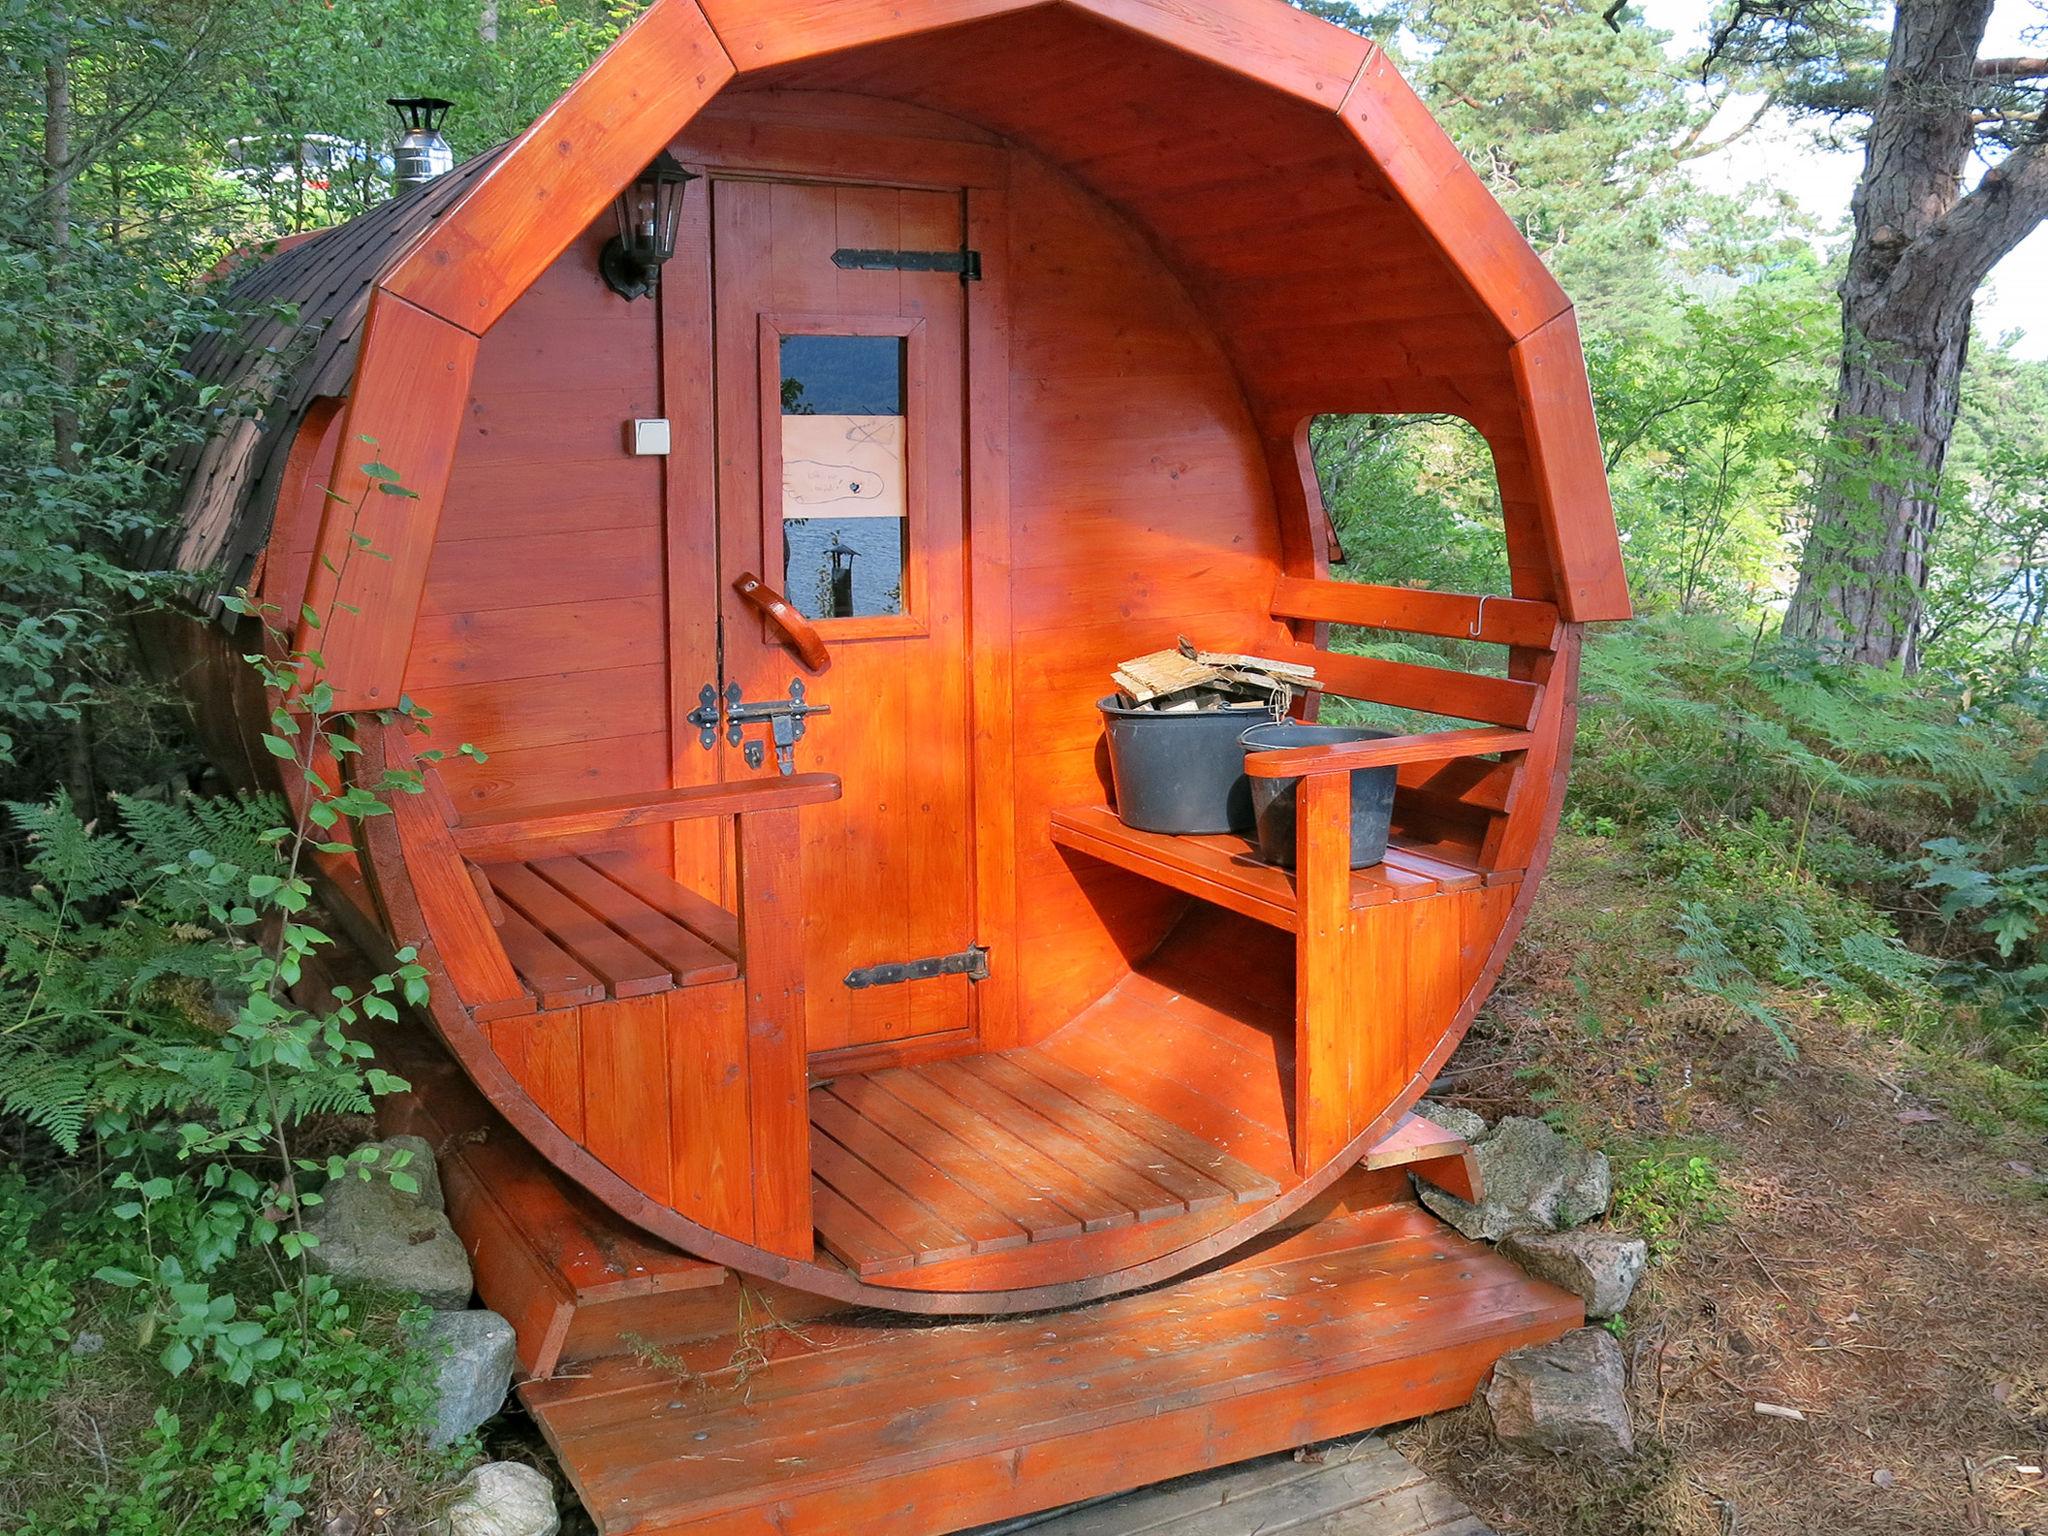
(917, 1429)
(1353, 1488)
(983, 1153)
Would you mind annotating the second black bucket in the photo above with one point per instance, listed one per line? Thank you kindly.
(1372, 792)
(1180, 771)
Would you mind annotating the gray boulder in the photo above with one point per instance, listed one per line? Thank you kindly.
(372, 1232)
(1601, 1268)
(1535, 1179)
(1459, 1122)
(473, 1355)
(1565, 1397)
(504, 1498)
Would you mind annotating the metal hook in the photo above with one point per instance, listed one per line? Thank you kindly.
(1479, 618)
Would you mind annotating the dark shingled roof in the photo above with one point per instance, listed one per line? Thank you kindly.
(272, 365)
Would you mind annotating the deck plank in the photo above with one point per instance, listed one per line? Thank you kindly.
(1186, 1181)
(1039, 1215)
(1043, 1175)
(929, 1238)
(1243, 1181)
(1355, 1488)
(985, 1226)
(1135, 1191)
(925, 1428)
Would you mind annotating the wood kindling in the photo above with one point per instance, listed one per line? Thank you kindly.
(1403, 610)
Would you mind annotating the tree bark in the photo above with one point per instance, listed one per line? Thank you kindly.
(57, 207)
(1921, 249)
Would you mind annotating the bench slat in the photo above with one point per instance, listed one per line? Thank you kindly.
(1405, 610)
(697, 913)
(1434, 690)
(626, 969)
(554, 975)
(689, 956)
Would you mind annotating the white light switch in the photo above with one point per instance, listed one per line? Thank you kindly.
(648, 437)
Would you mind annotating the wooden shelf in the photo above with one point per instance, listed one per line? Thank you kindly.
(1226, 869)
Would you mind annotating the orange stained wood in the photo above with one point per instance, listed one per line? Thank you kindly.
(1198, 225)
(1570, 471)
(1365, 1318)
(1314, 118)
(888, 874)
(378, 531)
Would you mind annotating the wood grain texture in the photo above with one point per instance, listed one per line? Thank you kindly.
(925, 1429)
(1409, 610)
(1570, 472)
(1128, 388)
(1362, 1488)
(404, 411)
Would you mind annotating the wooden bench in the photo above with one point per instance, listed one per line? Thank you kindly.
(579, 928)
(1463, 823)
(532, 910)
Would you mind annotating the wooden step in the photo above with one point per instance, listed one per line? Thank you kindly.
(949, 1159)
(1352, 1488)
(917, 1429)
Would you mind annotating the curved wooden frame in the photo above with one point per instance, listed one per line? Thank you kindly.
(466, 1041)
(461, 274)
(1505, 325)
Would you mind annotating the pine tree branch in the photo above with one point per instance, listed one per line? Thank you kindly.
(1957, 251)
(2011, 69)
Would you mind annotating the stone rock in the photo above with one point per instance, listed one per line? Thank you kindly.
(1601, 1268)
(1534, 1178)
(373, 1233)
(1565, 1397)
(1459, 1122)
(473, 1355)
(504, 1498)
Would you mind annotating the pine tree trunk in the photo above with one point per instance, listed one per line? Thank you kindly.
(1863, 575)
(1920, 251)
(57, 195)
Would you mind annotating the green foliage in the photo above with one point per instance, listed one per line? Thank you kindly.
(217, 1399)
(1666, 1195)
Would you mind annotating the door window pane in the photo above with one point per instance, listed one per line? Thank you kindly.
(845, 506)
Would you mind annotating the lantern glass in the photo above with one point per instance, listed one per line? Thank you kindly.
(648, 213)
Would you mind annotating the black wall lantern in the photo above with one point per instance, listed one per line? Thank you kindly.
(648, 211)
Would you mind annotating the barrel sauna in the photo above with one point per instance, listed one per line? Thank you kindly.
(984, 359)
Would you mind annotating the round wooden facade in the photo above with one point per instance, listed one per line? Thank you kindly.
(984, 360)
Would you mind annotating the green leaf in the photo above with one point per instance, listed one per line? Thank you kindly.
(126, 1279)
(277, 746)
(177, 1357)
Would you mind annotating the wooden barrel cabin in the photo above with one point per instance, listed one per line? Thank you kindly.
(778, 573)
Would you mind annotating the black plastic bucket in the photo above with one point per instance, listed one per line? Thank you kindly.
(1181, 771)
(1372, 793)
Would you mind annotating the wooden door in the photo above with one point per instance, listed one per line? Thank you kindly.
(840, 458)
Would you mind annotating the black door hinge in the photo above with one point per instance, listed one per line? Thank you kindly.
(971, 962)
(965, 262)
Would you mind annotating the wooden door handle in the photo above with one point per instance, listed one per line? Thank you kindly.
(793, 628)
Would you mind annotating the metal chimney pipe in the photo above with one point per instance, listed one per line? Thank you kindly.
(421, 153)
